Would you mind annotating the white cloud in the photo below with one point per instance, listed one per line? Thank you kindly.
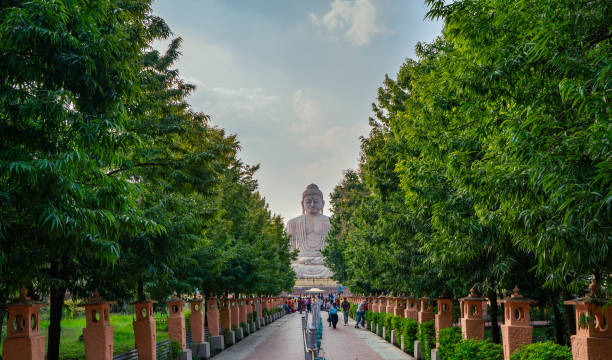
(308, 112)
(247, 103)
(356, 20)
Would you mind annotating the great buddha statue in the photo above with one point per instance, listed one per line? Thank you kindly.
(308, 232)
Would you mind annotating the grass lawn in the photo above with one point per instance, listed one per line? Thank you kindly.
(71, 343)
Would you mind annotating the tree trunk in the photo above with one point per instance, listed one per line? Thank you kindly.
(141, 294)
(570, 318)
(56, 299)
(495, 334)
(2, 314)
(558, 319)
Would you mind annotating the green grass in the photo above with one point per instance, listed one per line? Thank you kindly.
(71, 343)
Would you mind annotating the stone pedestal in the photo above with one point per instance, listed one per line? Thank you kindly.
(516, 330)
(176, 321)
(412, 308)
(230, 338)
(239, 334)
(144, 331)
(418, 353)
(444, 317)
(200, 350)
(593, 339)
(186, 355)
(98, 333)
(426, 311)
(217, 342)
(402, 343)
(393, 339)
(196, 321)
(23, 340)
(472, 322)
(434, 354)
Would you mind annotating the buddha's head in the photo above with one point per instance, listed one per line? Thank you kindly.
(312, 200)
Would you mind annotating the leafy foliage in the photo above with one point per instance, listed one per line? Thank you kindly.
(487, 161)
(541, 351)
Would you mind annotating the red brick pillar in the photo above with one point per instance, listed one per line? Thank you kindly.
(375, 304)
(412, 308)
(400, 306)
(98, 333)
(444, 317)
(226, 314)
(382, 303)
(144, 330)
(235, 312)
(390, 309)
(176, 321)
(516, 330)
(212, 316)
(472, 323)
(196, 320)
(593, 339)
(426, 311)
(243, 310)
(23, 340)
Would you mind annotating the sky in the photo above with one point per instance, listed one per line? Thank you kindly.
(294, 79)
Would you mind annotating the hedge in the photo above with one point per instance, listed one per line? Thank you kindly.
(427, 338)
(542, 351)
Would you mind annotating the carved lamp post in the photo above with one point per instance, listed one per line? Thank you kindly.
(390, 304)
(196, 320)
(98, 333)
(400, 306)
(593, 339)
(444, 317)
(516, 330)
(382, 303)
(472, 322)
(412, 308)
(176, 321)
(144, 330)
(23, 339)
(426, 310)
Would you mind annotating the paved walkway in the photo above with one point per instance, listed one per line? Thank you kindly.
(348, 343)
(283, 340)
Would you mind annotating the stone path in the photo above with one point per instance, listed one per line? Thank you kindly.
(283, 340)
(348, 343)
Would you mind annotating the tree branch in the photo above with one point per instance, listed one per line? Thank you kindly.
(135, 166)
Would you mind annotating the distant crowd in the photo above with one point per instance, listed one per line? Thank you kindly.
(330, 303)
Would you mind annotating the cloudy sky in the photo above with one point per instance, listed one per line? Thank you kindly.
(295, 79)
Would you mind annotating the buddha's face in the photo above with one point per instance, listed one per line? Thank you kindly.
(313, 204)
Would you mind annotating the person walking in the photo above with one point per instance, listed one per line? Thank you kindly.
(333, 315)
(361, 309)
(308, 305)
(345, 309)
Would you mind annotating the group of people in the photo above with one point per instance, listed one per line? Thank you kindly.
(331, 304)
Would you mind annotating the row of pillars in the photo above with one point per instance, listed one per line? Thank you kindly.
(593, 339)
(24, 341)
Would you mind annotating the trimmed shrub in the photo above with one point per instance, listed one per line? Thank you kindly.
(410, 328)
(542, 351)
(448, 338)
(476, 350)
(388, 324)
(427, 338)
